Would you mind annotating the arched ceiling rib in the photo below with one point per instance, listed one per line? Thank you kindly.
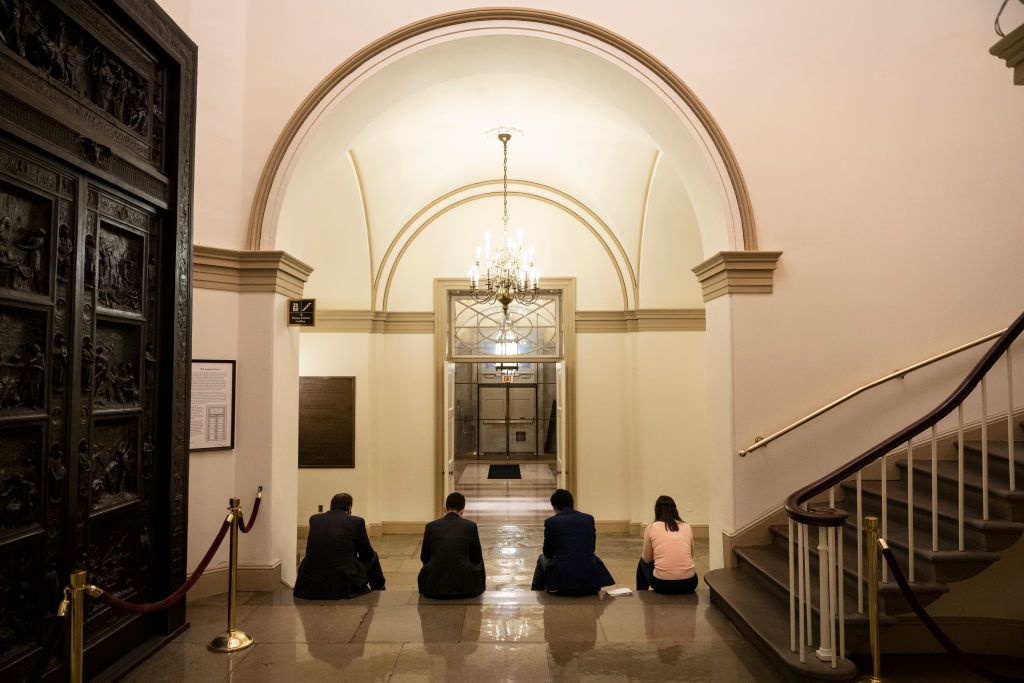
(411, 132)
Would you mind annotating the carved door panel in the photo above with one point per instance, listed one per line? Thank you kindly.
(38, 230)
(118, 384)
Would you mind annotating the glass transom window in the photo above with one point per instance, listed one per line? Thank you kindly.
(476, 330)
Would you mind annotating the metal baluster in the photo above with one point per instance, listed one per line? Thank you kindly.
(1009, 416)
(935, 490)
(807, 574)
(984, 450)
(841, 574)
(832, 595)
(824, 651)
(960, 477)
(910, 505)
(860, 551)
(803, 585)
(885, 510)
(792, 597)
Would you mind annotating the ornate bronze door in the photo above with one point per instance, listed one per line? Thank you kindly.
(96, 118)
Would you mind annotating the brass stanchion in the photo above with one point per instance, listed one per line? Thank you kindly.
(77, 596)
(871, 547)
(232, 640)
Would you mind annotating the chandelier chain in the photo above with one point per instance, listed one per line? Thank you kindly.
(504, 184)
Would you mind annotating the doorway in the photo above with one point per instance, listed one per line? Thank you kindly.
(506, 440)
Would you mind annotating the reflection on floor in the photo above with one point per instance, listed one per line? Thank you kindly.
(506, 501)
(509, 633)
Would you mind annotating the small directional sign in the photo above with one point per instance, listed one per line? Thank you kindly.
(302, 312)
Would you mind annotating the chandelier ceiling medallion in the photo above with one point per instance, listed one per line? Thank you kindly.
(510, 275)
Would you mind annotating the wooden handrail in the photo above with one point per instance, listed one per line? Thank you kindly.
(835, 517)
(761, 442)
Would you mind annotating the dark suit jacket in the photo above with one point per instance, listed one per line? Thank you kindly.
(337, 554)
(573, 568)
(453, 563)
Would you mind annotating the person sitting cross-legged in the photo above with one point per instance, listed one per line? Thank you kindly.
(666, 562)
(568, 565)
(453, 562)
(339, 561)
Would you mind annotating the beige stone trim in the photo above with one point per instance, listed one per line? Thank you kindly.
(611, 526)
(378, 322)
(644, 320)
(1011, 50)
(422, 322)
(248, 271)
(251, 577)
(288, 135)
(737, 272)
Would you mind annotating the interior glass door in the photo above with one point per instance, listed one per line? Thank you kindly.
(508, 421)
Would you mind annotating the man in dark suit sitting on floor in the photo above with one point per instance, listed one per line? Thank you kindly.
(339, 561)
(568, 565)
(453, 563)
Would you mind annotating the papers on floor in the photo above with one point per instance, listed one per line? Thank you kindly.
(616, 592)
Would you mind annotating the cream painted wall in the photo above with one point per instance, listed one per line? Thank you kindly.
(340, 355)
(211, 473)
(671, 245)
(669, 434)
(405, 370)
(887, 171)
(602, 425)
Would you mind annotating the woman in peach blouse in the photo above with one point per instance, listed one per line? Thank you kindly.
(666, 564)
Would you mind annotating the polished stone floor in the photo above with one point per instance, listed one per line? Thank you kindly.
(507, 501)
(508, 634)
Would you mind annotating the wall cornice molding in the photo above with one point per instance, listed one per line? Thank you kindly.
(1010, 49)
(378, 322)
(248, 271)
(737, 272)
(643, 320)
(422, 322)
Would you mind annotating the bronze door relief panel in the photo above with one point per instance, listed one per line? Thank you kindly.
(97, 107)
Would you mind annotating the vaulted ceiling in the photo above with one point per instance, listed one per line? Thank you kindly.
(397, 183)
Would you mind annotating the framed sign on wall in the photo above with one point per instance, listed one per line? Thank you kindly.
(212, 421)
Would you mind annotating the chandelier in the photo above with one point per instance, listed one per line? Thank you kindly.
(510, 275)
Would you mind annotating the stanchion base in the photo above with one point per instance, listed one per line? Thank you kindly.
(232, 641)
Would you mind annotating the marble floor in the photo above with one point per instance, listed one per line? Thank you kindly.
(508, 634)
(507, 501)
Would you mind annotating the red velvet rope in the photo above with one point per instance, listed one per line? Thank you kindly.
(242, 526)
(150, 607)
(937, 631)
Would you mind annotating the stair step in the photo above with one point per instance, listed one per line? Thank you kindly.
(770, 562)
(926, 590)
(764, 621)
(990, 535)
(1003, 503)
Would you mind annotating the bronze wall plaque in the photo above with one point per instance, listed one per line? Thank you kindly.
(327, 422)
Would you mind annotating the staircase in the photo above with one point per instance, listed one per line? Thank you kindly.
(755, 594)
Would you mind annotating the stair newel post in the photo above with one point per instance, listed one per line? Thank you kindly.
(871, 548)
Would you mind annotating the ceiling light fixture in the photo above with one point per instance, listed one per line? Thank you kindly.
(510, 275)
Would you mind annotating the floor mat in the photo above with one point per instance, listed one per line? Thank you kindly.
(504, 472)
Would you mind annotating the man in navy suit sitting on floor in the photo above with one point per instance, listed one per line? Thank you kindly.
(568, 565)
